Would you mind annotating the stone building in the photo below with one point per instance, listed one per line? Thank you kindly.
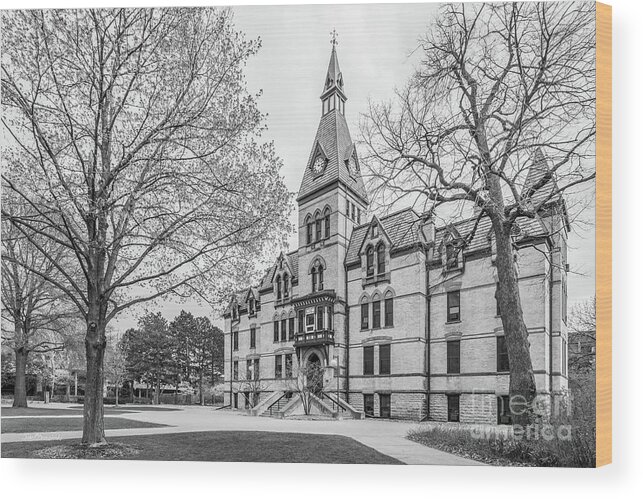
(402, 312)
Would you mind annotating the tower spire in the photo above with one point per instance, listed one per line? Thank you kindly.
(334, 80)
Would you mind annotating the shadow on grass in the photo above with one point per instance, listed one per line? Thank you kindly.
(237, 446)
(45, 424)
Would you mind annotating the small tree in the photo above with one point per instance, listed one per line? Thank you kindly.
(253, 386)
(308, 382)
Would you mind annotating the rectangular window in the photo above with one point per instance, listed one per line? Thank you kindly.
(329, 312)
(291, 328)
(353, 212)
(288, 365)
(385, 359)
(235, 340)
(369, 360)
(283, 330)
(255, 363)
(388, 312)
(310, 323)
(253, 337)
(320, 318)
(364, 315)
(235, 370)
(504, 411)
(377, 314)
(385, 405)
(452, 257)
(348, 208)
(359, 215)
(249, 369)
(369, 404)
(275, 336)
(502, 356)
(327, 226)
(453, 357)
(300, 320)
(278, 366)
(453, 408)
(453, 306)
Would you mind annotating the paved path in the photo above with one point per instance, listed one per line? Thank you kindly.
(388, 437)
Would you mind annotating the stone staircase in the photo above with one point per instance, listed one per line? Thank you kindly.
(281, 404)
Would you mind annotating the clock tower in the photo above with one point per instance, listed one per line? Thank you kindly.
(332, 198)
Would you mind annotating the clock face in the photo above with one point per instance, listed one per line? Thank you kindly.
(319, 165)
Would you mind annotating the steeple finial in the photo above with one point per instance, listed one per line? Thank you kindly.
(333, 38)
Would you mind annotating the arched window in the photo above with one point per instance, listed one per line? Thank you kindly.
(320, 283)
(318, 228)
(388, 309)
(309, 230)
(381, 260)
(327, 223)
(278, 286)
(286, 291)
(369, 261)
(314, 276)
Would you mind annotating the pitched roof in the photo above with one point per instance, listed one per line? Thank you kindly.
(402, 228)
(292, 260)
(334, 140)
(529, 227)
(537, 171)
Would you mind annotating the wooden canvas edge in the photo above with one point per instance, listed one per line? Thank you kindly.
(603, 234)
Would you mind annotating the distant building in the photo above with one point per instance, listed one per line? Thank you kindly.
(408, 309)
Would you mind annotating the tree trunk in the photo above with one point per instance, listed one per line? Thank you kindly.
(157, 391)
(20, 388)
(116, 394)
(522, 385)
(93, 427)
(201, 396)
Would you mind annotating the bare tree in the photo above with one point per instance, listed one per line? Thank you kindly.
(500, 87)
(581, 329)
(36, 313)
(253, 386)
(307, 383)
(133, 139)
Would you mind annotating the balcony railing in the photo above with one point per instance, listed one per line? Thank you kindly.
(323, 337)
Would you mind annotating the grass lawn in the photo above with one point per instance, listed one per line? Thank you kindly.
(45, 424)
(237, 446)
(133, 408)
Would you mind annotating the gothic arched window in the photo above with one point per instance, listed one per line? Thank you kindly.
(318, 228)
(286, 291)
(381, 259)
(278, 286)
(327, 223)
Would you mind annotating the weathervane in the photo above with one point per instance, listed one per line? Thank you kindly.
(333, 40)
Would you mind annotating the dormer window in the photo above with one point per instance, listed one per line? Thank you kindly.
(452, 257)
(375, 231)
(370, 261)
(235, 311)
(278, 287)
(251, 306)
(286, 290)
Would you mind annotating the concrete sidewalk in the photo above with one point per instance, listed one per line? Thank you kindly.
(387, 437)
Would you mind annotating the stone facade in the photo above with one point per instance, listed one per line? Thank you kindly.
(406, 309)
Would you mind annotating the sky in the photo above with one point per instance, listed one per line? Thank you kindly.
(376, 54)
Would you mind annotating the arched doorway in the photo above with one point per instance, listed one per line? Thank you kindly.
(314, 374)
